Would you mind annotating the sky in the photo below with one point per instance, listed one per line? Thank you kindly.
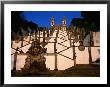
(42, 18)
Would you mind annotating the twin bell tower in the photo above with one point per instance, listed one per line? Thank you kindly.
(61, 27)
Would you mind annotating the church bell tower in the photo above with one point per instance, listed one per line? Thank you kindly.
(63, 24)
(52, 22)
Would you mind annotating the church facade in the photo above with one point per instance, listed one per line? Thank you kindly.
(59, 27)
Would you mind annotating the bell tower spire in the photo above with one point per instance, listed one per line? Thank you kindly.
(64, 23)
(52, 22)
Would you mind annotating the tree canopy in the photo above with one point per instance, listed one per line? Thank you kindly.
(90, 21)
(20, 26)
